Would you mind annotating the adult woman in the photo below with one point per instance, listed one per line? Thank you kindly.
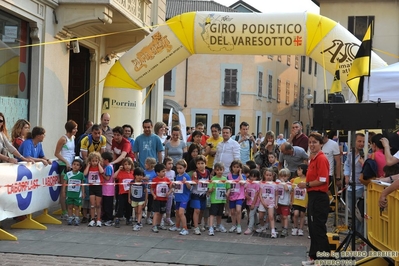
(32, 147)
(159, 130)
(266, 147)
(19, 131)
(175, 147)
(190, 155)
(378, 153)
(127, 133)
(318, 200)
(6, 146)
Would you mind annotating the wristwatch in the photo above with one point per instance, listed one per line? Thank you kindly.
(307, 185)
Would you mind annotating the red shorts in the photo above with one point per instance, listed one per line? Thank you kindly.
(283, 210)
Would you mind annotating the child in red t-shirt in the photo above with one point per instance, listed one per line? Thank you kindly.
(160, 190)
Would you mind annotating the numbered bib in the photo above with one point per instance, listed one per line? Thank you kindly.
(202, 187)
(267, 193)
(126, 184)
(251, 193)
(74, 185)
(299, 193)
(220, 193)
(280, 192)
(137, 192)
(179, 187)
(94, 178)
(162, 189)
(235, 187)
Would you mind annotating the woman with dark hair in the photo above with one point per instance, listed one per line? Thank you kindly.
(378, 153)
(32, 147)
(128, 133)
(19, 131)
(6, 146)
(175, 148)
(193, 152)
(266, 147)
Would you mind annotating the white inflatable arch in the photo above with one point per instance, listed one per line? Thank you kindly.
(318, 37)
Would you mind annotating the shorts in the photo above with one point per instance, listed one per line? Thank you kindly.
(150, 202)
(61, 169)
(299, 208)
(137, 203)
(262, 208)
(182, 205)
(159, 206)
(74, 201)
(86, 204)
(96, 191)
(234, 203)
(198, 204)
(284, 210)
(216, 209)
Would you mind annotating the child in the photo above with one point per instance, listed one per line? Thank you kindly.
(268, 200)
(160, 192)
(272, 158)
(236, 196)
(300, 200)
(171, 174)
(182, 195)
(252, 198)
(198, 196)
(138, 196)
(94, 171)
(284, 197)
(124, 176)
(149, 174)
(73, 191)
(219, 190)
(108, 189)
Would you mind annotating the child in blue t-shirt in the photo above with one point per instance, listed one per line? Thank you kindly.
(138, 196)
(149, 174)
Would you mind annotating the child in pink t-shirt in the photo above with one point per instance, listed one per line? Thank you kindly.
(237, 195)
(252, 197)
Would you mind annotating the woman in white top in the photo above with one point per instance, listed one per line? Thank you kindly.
(65, 152)
(159, 130)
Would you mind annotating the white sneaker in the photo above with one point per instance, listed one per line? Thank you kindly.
(136, 227)
(173, 228)
(260, 229)
(239, 229)
(163, 227)
(274, 235)
(197, 231)
(300, 232)
(92, 223)
(184, 232)
(294, 231)
(233, 229)
(308, 262)
(149, 221)
(202, 228)
(98, 224)
(169, 222)
(211, 233)
(222, 229)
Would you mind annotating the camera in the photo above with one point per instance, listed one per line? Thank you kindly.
(361, 153)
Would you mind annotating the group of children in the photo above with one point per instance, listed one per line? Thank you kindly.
(196, 195)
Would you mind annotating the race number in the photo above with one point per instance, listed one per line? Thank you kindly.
(220, 193)
(126, 184)
(74, 185)
(202, 186)
(179, 188)
(137, 192)
(299, 193)
(94, 178)
(235, 187)
(162, 190)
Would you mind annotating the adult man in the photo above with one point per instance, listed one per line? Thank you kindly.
(147, 145)
(93, 142)
(121, 147)
(199, 127)
(291, 157)
(332, 152)
(106, 131)
(246, 141)
(211, 144)
(297, 138)
(227, 150)
(359, 160)
(280, 139)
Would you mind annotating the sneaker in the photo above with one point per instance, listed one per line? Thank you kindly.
(294, 231)
(92, 223)
(98, 224)
(162, 227)
(228, 220)
(149, 221)
(64, 217)
(155, 229)
(197, 231)
(77, 221)
(233, 229)
(84, 220)
(222, 229)
(143, 215)
(211, 233)
(202, 228)
(274, 235)
(184, 232)
(136, 227)
(173, 228)
(139, 224)
(70, 220)
(284, 232)
(109, 223)
(248, 231)
(162, 222)
(260, 229)
(300, 232)
(129, 221)
(117, 223)
(239, 229)
(308, 262)
(170, 222)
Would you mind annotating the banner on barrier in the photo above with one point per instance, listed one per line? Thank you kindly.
(27, 188)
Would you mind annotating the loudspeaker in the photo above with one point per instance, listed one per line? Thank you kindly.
(354, 116)
(336, 98)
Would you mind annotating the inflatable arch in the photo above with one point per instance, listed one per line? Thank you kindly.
(318, 37)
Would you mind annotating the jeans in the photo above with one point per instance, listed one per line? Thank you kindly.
(359, 226)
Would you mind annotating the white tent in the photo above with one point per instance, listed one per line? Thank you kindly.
(383, 84)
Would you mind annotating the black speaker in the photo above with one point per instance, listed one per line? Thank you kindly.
(336, 98)
(354, 116)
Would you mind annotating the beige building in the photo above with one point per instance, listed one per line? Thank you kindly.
(48, 78)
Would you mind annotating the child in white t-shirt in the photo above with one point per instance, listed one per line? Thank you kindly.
(284, 198)
(171, 175)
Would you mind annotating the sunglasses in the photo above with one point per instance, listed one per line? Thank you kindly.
(1, 121)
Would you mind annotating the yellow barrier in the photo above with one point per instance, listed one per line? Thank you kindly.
(382, 227)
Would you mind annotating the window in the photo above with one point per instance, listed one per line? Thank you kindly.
(358, 25)
(270, 87)
(279, 58)
(203, 118)
(310, 66)
(288, 60)
(277, 128)
(260, 83)
(167, 82)
(315, 69)
(314, 96)
(296, 95)
(230, 120)
(287, 93)
(308, 102)
(230, 95)
(301, 97)
(296, 61)
(278, 90)
(303, 63)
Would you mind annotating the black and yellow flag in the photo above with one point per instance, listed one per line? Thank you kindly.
(361, 66)
(336, 85)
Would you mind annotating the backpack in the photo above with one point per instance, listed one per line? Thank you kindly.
(79, 142)
(369, 171)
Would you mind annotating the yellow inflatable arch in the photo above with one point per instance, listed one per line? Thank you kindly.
(318, 37)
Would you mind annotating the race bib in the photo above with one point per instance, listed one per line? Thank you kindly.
(202, 187)
(74, 185)
(126, 184)
(220, 193)
(267, 193)
(299, 193)
(94, 178)
(251, 193)
(235, 187)
(162, 189)
(280, 192)
(137, 192)
(179, 187)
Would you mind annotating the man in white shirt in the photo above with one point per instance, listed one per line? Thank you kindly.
(331, 150)
(280, 139)
(227, 150)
